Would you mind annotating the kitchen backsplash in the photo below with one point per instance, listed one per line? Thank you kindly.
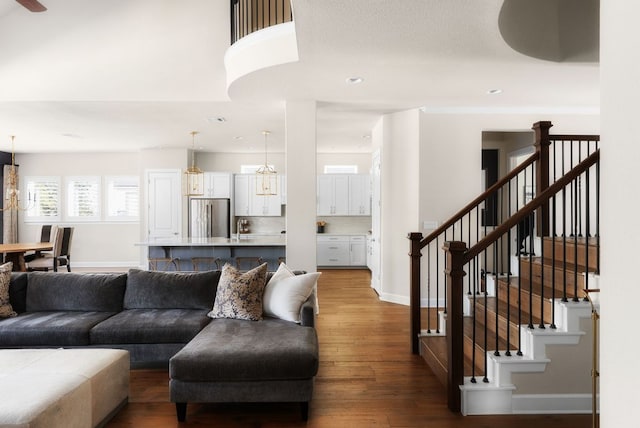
(335, 225)
(347, 225)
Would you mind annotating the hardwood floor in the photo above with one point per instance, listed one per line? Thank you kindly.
(367, 378)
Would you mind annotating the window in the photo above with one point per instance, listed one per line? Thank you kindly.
(122, 198)
(46, 191)
(341, 169)
(251, 169)
(83, 198)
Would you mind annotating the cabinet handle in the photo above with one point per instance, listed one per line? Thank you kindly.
(333, 248)
(333, 260)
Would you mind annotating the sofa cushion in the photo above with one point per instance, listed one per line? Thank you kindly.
(285, 293)
(170, 290)
(237, 350)
(150, 326)
(6, 310)
(239, 294)
(18, 291)
(57, 291)
(61, 328)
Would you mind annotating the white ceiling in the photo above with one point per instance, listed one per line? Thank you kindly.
(97, 75)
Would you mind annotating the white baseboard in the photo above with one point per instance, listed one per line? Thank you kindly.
(551, 403)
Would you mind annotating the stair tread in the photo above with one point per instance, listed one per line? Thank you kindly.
(536, 288)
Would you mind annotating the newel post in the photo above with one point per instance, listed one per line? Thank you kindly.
(542, 144)
(414, 294)
(455, 252)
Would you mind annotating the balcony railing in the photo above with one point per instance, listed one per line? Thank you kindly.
(248, 16)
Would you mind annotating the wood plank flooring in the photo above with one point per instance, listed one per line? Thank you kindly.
(367, 378)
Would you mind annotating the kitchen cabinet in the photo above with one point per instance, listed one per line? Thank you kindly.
(217, 185)
(357, 251)
(359, 194)
(333, 194)
(333, 250)
(248, 203)
(344, 195)
(341, 250)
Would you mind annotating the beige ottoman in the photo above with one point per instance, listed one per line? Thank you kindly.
(62, 387)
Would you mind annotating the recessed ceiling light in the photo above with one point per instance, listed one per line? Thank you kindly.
(366, 136)
(494, 91)
(238, 137)
(354, 80)
(216, 119)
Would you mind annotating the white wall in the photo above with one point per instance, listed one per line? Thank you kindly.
(94, 244)
(230, 162)
(620, 92)
(400, 200)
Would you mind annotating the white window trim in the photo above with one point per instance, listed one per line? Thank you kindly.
(341, 169)
(97, 180)
(41, 219)
(119, 178)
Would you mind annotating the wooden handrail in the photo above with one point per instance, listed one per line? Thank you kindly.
(470, 206)
(526, 210)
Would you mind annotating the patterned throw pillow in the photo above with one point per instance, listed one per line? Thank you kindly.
(239, 294)
(6, 310)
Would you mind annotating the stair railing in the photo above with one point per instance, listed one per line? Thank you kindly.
(516, 214)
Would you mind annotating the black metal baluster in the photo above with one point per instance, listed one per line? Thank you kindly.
(429, 306)
(553, 236)
(575, 255)
(541, 325)
(445, 277)
(531, 271)
(438, 283)
(587, 230)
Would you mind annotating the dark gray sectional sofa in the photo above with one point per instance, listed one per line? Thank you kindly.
(156, 315)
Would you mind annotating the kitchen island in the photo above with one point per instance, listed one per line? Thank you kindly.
(270, 248)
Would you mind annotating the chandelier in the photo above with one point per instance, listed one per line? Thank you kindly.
(12, 193)
(267, 179)
(194, 175)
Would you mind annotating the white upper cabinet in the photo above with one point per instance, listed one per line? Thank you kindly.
(344, 195)
(333, 194)
(248, 203)
(217, 185)
(359, 194)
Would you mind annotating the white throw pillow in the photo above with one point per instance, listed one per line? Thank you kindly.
(285, 293)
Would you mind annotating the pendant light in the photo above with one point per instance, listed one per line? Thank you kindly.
(12, 193)
(267, 176)
(194, 175)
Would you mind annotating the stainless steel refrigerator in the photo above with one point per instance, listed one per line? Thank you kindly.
(209, 218)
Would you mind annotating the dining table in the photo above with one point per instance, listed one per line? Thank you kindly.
(15, 252)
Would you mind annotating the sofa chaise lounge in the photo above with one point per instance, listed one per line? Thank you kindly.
(158, 315)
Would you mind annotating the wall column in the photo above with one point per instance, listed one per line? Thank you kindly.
(300, 159)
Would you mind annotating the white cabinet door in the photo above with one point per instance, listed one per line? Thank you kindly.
(341, 195)
(333, 195)
(248, 203)
(359, 194)
(217, 185)
(241, 195)
(357, 251)
(164, 217)
(263, 205)
(333, 251)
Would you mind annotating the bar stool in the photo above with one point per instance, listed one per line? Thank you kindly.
(164, 264)
(205, 263)
(248, 262)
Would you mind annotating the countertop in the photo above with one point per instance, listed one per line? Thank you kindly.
(244, 241)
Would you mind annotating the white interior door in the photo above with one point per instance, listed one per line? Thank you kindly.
(164, 217)
(376, 224)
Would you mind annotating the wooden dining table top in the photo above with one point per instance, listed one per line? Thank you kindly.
(22, 247)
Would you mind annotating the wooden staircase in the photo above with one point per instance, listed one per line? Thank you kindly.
(508, 302)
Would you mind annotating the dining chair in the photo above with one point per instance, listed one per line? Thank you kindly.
(64, 258)
(47, 234)
(48, 261)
